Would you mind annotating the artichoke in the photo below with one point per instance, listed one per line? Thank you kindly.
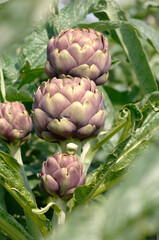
(79, 53)
(68, 108)
(61, 174)
(15, 123)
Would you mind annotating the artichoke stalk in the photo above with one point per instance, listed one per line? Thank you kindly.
(61, 174)
(15, 123)
(68, 108)
(79, 53)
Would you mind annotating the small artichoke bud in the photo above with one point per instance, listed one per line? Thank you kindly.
(15, 123)
(61, 174)
(79, 53)
(68, 108)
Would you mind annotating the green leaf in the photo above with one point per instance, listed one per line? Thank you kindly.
(15, 186)
(148, 4)
(110, 114)
(12, 228)
(147, 32)
(128, 36)
(2, 84)
(139, 141)
(70, 16)
(10, 71)
(106, 25)
(21, 95)
(56, 208)
(32, 55)
(129, 211)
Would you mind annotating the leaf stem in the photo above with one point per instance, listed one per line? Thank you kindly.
(16, 154)
(59, 217)
(2, 85)
(87, 159)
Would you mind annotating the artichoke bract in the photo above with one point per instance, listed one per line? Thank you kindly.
(61, 174)
(15, 123)
(79, 53)
(68, 108)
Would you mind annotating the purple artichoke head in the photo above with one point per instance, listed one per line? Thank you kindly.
(68, 108)
(61, 174)
(79, 53)
(15, 123)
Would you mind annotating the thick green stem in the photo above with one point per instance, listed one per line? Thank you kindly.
(59, 217)
(2, 85)
(16, 154)
(88, 155)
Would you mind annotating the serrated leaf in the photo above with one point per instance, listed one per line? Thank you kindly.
(34, 48)
(15, 186)
(12, 228)
(126, 35)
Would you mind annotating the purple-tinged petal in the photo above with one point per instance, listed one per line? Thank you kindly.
(79, 114)
(81, 54)
(102, 79)
(91, 72)
(85, 132)
(73, 93)
(73, 177)
(5, 128)
(41, 119)
(50, 72)
(51, 166)
(55, 105)
(108, 64)
(61, 176)
(50, 46)
(50, 184)
(62, 127)
(98, 59)
(82, 179)
(62, 43)
(52, 89)
(98, 119)
(93, 97)
(62, 61)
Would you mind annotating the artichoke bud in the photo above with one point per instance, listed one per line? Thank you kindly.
(79, 53)
(15, 123)
(61, 174)
(68, 108)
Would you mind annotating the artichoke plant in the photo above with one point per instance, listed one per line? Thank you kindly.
(15, 123)
(61, 174)
(68, 108)
(79, 53)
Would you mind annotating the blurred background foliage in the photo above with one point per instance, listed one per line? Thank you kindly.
(129, 210)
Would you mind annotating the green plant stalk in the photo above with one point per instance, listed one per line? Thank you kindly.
(59, 217)
(16, 154)
(2, 85)
(87, 159)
